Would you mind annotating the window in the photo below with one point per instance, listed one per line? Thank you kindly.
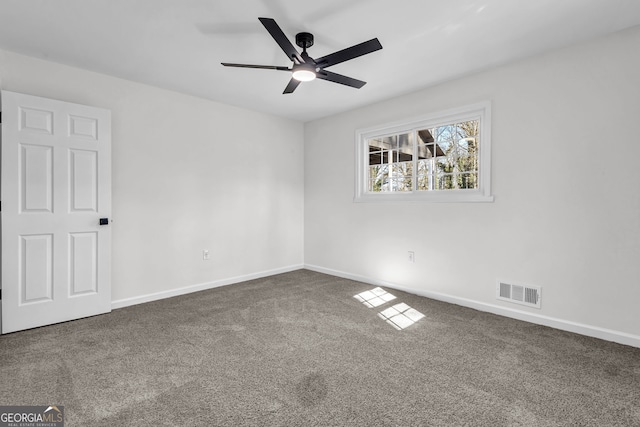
(443, 157)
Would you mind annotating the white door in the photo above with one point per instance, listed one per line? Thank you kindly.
(55, 187)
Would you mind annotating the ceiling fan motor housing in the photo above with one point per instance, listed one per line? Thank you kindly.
(304, 40)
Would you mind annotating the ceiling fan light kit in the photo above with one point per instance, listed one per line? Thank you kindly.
(304, 67)
(304, 72)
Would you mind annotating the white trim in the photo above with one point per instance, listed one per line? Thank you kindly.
(480, 111)
(538, 319)
(126, 302)
(440, 196)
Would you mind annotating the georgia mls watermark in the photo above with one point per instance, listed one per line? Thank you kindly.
(31, 416)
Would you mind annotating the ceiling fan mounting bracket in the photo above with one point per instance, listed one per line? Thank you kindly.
(304, 40)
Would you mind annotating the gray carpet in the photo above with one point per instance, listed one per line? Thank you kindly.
(297, 349)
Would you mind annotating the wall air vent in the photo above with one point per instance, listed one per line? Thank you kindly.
(525, 295)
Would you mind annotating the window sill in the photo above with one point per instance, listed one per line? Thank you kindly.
(427, 197)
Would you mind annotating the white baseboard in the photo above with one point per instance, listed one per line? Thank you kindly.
(200, 287)
(565, 325)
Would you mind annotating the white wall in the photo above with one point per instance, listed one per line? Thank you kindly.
(566, 216)
(188, 174)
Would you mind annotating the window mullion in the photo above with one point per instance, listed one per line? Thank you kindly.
(414, 163)
(432, 168)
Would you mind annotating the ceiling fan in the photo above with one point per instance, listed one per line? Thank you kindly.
(304, 67)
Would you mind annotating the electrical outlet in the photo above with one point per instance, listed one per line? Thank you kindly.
(412, 256)
(205, 254)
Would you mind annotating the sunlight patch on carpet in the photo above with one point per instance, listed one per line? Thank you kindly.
(374, 297)
(401, 316)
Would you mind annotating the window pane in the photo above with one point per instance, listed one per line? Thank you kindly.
(424, 167)
(405, 147)
(390, 164)
(455, 148)
(386, 186)
(444, 182)
(405, 157)
(444, 165)
(422, 183)
(375, 158)
(456, 181)
(444, 147)
(379, 144)
(467, 163)
(425, 151)
(379, 150)
(402, 169)
(380, 157)
(385, 143)
(444, 133)
(468, 180)
(377, 176)
(392, 141)
(401, 176)
(402, 184)
(425, 136)
(468, 129)
(465, 152)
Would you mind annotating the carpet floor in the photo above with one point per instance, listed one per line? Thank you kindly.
(298, 349)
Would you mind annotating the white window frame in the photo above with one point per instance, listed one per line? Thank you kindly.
(480, 111)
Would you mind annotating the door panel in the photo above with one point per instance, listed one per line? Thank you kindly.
(56, 185)
(84, 181)
(36, 268)
(38, 121)
(83, 127)
(83, 263)
(36, 178)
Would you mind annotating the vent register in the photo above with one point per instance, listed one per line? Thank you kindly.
(524, 295)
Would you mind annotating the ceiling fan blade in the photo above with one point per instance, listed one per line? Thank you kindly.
(293, 84)
(339, 78)
(349, 53)
(282, 40)
(264, 67)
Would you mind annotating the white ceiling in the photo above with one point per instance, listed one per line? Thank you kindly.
(179, 44)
